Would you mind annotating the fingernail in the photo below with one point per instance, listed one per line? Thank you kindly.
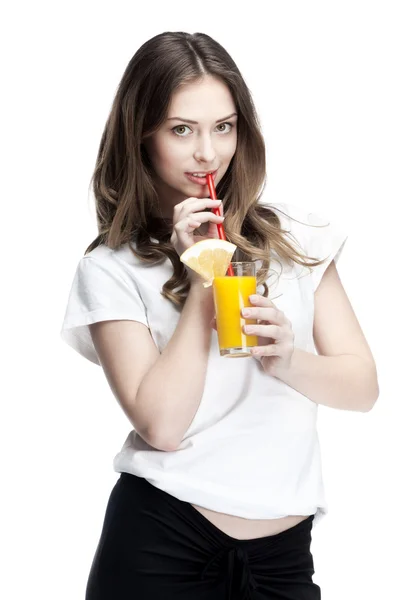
(246, 313)
(253, 297)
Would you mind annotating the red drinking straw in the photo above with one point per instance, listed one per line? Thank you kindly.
(217, 211)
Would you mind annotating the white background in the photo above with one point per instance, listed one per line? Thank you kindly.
(325, 80)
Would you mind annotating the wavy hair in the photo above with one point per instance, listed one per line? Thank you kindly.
(125, 196)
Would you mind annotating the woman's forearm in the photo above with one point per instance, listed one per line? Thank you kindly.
(170, 393)
(347, 382)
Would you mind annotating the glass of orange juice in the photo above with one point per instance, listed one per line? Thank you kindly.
(231, 294)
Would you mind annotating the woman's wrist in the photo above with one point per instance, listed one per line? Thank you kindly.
(198, 285)
(203, 295)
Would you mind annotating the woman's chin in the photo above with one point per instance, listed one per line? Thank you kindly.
(197, 191)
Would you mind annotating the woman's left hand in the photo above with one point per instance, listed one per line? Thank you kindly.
(275, 335)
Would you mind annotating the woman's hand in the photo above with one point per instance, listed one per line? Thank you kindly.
(274, 331)
(189, 215)
(275, 335)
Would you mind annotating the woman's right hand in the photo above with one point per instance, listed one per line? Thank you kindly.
(187, 219)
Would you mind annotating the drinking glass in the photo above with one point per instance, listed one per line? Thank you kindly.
(231, 294)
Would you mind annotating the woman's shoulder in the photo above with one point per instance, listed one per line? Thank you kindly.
(293, 215)
(120, 259)
(304, 224)
(103, 253)
(102, 289)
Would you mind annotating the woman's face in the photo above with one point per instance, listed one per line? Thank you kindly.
(181, 146)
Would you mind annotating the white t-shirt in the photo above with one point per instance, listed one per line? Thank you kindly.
(252, 449)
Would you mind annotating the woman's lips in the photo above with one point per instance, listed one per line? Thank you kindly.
(200, 180)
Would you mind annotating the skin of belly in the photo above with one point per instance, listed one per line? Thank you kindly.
(244, 529)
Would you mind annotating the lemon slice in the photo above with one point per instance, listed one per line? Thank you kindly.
(209, 258)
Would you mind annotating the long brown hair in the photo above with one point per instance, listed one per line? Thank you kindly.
(125, 196)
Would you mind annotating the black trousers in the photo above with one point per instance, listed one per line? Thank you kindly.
(154, 546)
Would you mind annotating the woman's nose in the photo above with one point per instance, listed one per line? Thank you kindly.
(205, 150)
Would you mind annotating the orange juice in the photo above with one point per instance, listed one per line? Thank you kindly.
(231, 294)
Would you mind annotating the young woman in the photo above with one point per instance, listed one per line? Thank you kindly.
(220, 479)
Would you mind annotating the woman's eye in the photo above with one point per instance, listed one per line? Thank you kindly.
(175, 129)
(179, 130)
(223, 125)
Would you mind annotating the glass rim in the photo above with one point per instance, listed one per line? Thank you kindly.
(243, 262)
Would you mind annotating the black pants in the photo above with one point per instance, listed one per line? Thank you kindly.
(154, 546)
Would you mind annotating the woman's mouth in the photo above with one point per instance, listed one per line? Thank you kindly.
(200, 177)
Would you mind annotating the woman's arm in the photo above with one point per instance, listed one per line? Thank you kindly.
(343, 375)
(346, 382)
(170, 392)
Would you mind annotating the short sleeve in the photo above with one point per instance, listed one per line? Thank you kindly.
(99, 292)
(319, 237)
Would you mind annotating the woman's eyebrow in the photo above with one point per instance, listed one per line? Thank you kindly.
(196, 123)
